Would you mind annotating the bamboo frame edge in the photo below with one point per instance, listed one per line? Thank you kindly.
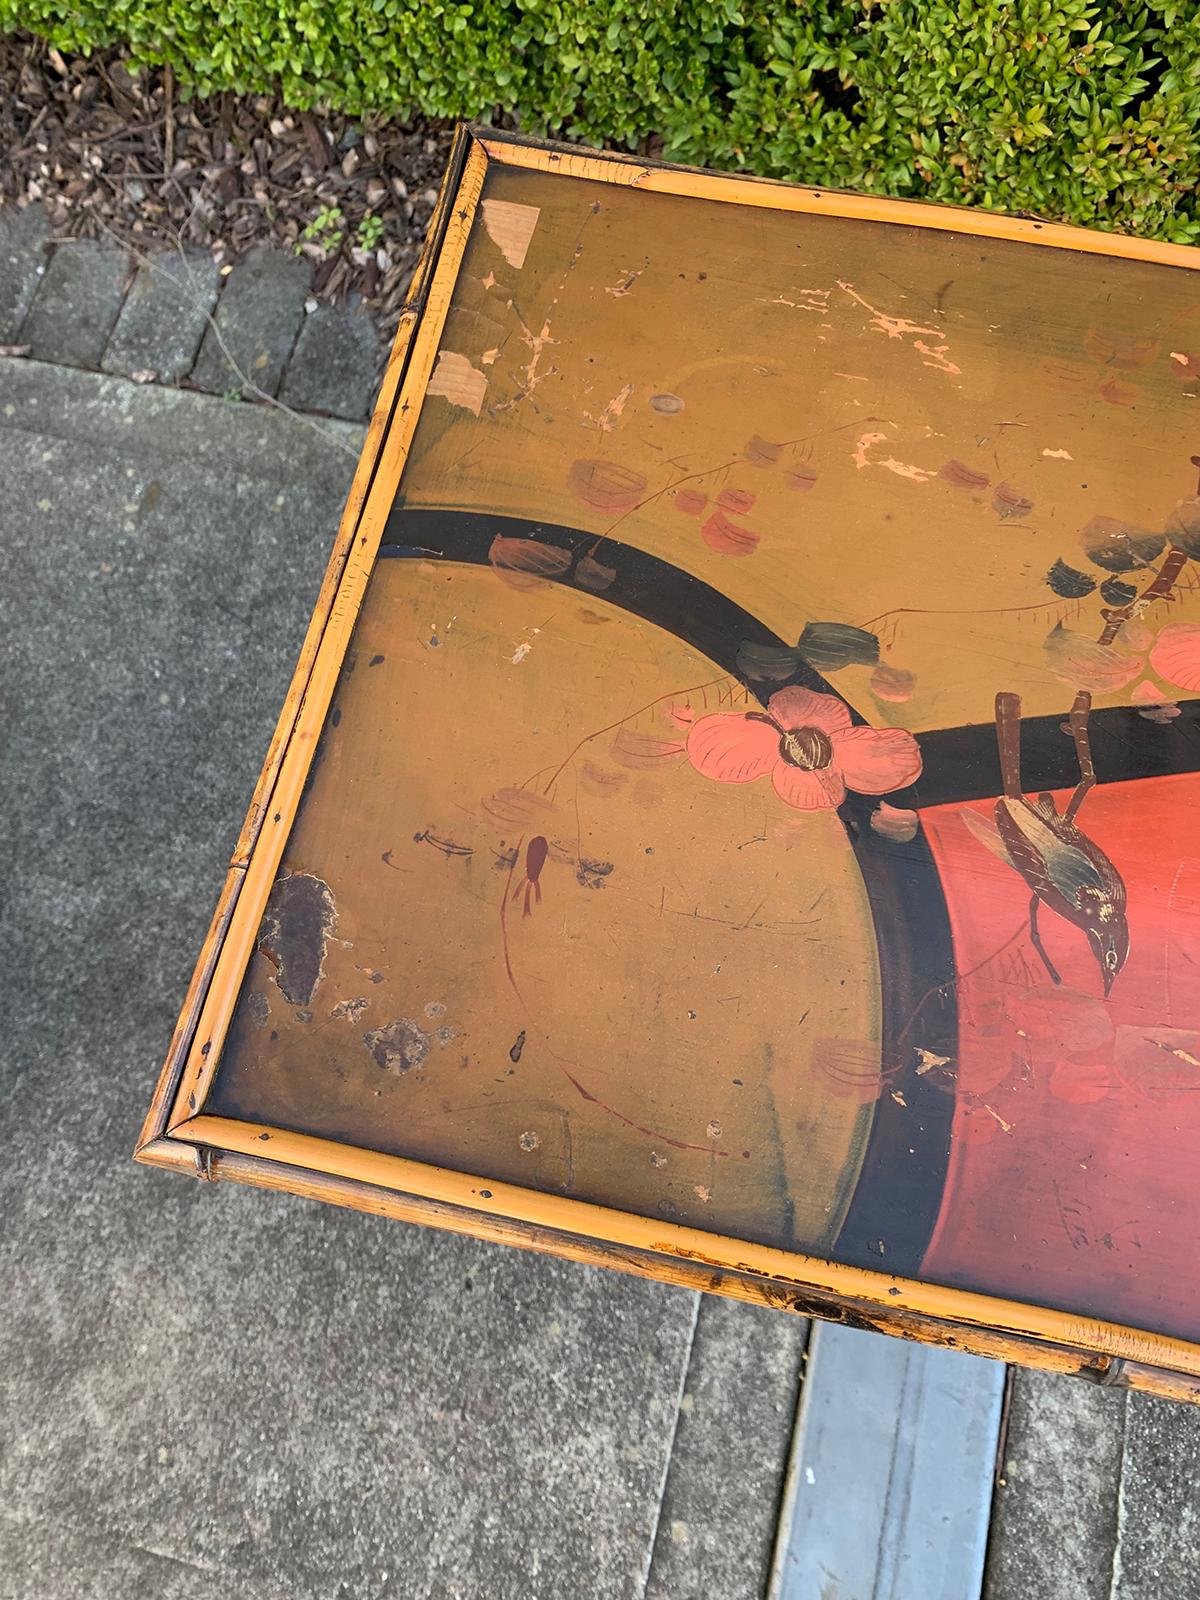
(778, 194)
(316, 678)
(492, 1203)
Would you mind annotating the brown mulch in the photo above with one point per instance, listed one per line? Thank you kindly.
(112, 155)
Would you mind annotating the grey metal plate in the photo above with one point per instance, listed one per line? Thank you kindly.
(890, 1485)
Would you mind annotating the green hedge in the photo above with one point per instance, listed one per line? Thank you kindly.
(1089, 111)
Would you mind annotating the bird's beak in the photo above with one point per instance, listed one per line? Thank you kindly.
(1108, 978)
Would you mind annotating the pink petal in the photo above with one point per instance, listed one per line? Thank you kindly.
(726, 538)
(1080, 1083)
(1176, 654)
(851, 1068)
(731, 748)
(1086, 664)
(891, 822)
(801, 708)
(808, 791)
(892, 683)
(643, 750)
(606, 485)
(1059, 1019)
(876, 760)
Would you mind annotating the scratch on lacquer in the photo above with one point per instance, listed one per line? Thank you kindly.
(814, 300)
(532, 375)
(609, 417)
(903, 328)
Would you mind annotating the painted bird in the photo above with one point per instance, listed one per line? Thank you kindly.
(1066, 872)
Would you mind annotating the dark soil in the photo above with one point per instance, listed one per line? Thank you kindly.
(124, 157)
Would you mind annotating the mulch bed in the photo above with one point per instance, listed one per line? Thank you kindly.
(127, 158)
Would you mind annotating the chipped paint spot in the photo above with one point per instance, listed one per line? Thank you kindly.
(529, 1140)
(610, 416)
(625, 283)
(813, 300)
(520, 653)
(928, 1060)
(489, 357)
(702, 1191)
(937, 357)
(902, 328)
(258, 1009)
(510, 227)
(350, 1010)
(399, 1046)
(532, 376)
(296, 926)
(1058, 455)
(861, 452)
(456, 380)
(902, 469)
(893, 327)
(434, 1009)
(714, 1129)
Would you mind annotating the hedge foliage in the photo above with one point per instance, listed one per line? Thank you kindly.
(1068, 108)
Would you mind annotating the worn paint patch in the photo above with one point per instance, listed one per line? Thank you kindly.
(607, 419)
(349, 1010)
(296, 926)
(510, 227)
(399, 1046)
(456, 380)
(258, 1009)
(903, 469)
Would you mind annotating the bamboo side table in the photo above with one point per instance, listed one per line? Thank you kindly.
(733, 816)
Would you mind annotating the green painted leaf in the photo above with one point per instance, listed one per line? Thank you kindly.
(829, 646)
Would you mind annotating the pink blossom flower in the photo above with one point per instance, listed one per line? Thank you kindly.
(806, 743)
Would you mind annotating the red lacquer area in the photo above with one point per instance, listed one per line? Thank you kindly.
(1074, 1177)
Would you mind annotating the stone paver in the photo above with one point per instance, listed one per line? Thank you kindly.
(257, 320)
(1100, 1497)
(211, 1390)
(1159, 1502)
(77, 303)
(23, 236)
(731, 1443)
(164, 317)
(335, 363)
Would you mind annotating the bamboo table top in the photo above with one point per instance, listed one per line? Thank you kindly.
(733, 815)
